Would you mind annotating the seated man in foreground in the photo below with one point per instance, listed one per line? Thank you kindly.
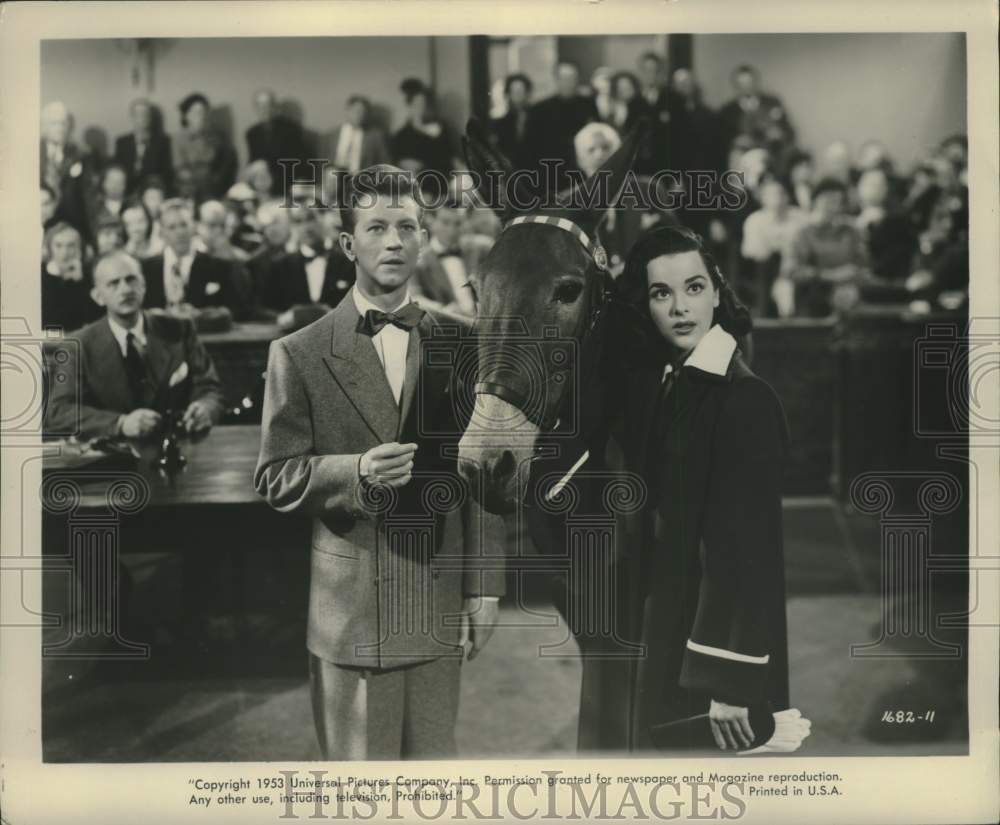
(132, 366)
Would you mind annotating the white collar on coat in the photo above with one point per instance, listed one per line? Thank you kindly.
(712, 354)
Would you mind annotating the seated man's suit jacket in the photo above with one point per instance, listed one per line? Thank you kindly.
(157, 159)
(390, 568)
(286, 283)
(213, 282)
(103, 395)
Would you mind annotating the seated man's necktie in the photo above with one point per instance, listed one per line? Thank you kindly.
(135, 370)
(372, 322)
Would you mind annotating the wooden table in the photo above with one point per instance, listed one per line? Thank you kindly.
(240, 356)
(208, 505)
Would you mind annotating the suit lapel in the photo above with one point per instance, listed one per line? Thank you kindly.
(159, 365)
(356, 367)
(413, 372)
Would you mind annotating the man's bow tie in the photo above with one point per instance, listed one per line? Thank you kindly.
(373, 320)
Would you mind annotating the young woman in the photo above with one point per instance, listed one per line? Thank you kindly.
(709, 438)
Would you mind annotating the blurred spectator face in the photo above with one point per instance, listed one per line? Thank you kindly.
(683, 82)
(55, 123)
(871, 155)
(331, 224)
(944, 172)
(773, 197)
(517, 94)
(305, 226)
(802, 172)
(600, 82)
(417, 107)
(593, 147)
(234, 217)
(152, 199)
(119, 286)
(259, 177)
(753, 164)
(136, 225)
(447, 225)
(837, 160)
(745, 83)
(113, 184)
(142, 116)
(484, 221)
(109, 238)
(212, 225)
(303, 194)
(649, 72)
(873, 188)
(197, 116)
(625, 89)
(828, 205)
(177, 230)
(356, 112)
(187, 187)
(48, 206)
(264, 104)
(273, 221)
(567, 80)
(64, 247)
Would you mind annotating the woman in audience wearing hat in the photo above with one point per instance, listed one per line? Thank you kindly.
(203, 151)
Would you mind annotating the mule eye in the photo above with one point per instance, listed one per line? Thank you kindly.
(568, 292)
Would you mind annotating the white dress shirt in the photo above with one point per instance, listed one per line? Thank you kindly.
(348, 155)
(174, 288)
(315, 273)
(390, 342)
(121, 334)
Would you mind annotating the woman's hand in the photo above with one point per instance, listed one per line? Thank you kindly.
(730, 726)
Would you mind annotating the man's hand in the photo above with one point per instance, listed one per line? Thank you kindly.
(730, 726)
(140, 423)
(197, 417)
(390, 464)
(479, 619)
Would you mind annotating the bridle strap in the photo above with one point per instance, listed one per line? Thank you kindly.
(594, 248)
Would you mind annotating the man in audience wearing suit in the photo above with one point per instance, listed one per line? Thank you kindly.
(146, 150)
(310, 274)
(554, 121)
(656, 154)
(356, 144)
(182, 275)
(274, 137)
(64, 167)
(66, 281)
(108, 202)
(759, 116)
(449, 263)
(133, 366)
(350, 412)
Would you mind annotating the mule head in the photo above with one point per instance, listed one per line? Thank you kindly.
(539, 288)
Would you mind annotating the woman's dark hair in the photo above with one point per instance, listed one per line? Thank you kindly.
(186, 104)
(136, 203)
(633, 286)
(413, 86)
(630, 76)
(517, 77)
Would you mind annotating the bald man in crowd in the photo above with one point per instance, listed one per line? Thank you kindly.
(133, 366)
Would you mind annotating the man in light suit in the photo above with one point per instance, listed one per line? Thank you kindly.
(133, 366)
(406, 569)
(356, 144)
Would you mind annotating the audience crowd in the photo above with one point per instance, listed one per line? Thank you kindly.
(815, 235)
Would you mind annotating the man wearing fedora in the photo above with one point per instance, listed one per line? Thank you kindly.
(406, 570)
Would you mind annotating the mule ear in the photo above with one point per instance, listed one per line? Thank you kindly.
(610, 178)
(491, 170)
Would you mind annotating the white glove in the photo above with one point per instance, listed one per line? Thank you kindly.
(790, 728)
